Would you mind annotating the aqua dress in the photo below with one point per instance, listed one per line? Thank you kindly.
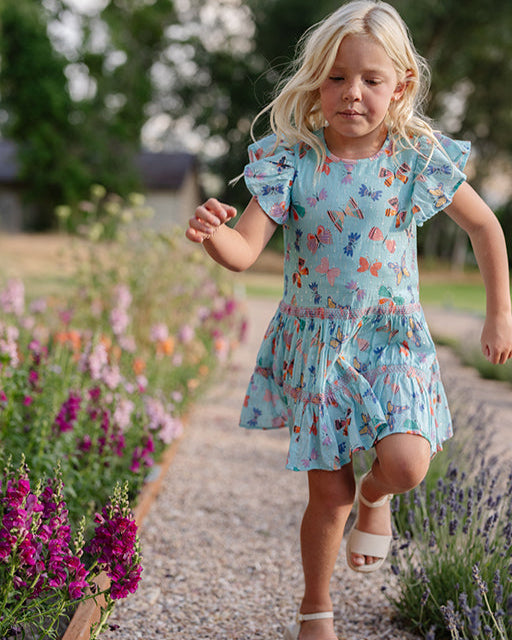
(348, 358)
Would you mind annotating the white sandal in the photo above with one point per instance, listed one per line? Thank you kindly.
(368, 544)
(292, 632)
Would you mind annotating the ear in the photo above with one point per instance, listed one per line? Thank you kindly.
(401, 87)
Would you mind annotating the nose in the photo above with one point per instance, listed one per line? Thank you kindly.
(352, 91)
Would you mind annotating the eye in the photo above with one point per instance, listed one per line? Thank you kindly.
(336, 78)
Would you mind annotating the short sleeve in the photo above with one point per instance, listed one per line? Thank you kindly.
(269, 177)
(438, 181)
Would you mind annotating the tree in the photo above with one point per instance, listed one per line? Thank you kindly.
(469, 49)
(33, 90)
(234, 80)
(121, 72)
(67, 143)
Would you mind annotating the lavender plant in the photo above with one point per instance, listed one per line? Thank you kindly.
(454, 556)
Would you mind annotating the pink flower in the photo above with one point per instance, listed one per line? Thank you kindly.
(123, 297)
(119, 321)
(95, 361)
(186, 334)
(112, 377)
(9, 344)
(159, 332)
(123, 413)
(12, 298)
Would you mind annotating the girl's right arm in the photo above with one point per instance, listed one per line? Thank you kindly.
(234, 248)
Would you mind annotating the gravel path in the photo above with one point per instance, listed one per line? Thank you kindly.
(221, 548)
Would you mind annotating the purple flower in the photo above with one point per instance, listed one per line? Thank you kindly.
(68, 413)
(116, 549)
(124, 581)
(142, 455)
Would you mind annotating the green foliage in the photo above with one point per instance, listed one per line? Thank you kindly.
(67, 144)
(116, 112)
(241, 82)
(33, 90)
(469, 49)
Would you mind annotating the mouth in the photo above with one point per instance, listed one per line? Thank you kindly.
(350, 113)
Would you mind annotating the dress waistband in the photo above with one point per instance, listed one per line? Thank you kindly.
(349, 313)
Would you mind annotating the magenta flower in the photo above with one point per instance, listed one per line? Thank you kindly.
(35, 538)
(115, 547)
(142, 455)
(68, 413)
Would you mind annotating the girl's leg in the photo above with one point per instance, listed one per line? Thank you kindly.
(401, 464)
(331, 495)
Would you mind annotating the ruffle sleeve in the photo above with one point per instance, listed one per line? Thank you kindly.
(269, 176)
(443, 174)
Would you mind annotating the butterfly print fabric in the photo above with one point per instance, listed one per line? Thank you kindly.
(348, 358)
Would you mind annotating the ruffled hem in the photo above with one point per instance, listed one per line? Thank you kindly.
(312, 376)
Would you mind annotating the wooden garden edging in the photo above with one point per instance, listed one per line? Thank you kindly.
(89, 612)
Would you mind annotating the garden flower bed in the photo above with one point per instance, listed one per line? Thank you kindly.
(94, 384)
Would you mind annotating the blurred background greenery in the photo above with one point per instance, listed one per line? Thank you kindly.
(86, 84)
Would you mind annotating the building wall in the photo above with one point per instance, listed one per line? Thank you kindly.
(11, 210)
(173, 208)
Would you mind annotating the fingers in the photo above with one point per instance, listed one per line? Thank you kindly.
(496, 355)
(208, 218)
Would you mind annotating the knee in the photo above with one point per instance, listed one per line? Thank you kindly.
(404, 467)
(407, 474)
(331, 491)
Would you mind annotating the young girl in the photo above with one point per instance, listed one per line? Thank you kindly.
(347, 363)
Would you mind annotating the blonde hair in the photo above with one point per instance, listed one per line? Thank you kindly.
(295, 112)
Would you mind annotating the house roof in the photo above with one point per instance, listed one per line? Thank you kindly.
(157, 170)
(165, 170)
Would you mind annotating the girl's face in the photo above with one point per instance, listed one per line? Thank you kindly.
(356, 96)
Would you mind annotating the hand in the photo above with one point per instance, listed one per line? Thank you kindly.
(208, 218)
(496, 338)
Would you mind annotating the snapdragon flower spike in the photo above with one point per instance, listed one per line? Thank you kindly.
(115, 547)
(35, 538)
(68, 413)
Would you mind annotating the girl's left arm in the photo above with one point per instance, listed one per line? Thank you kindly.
(471, 213)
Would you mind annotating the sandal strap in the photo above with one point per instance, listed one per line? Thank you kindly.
(304, 617)
(378, 503)
(372, 505)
